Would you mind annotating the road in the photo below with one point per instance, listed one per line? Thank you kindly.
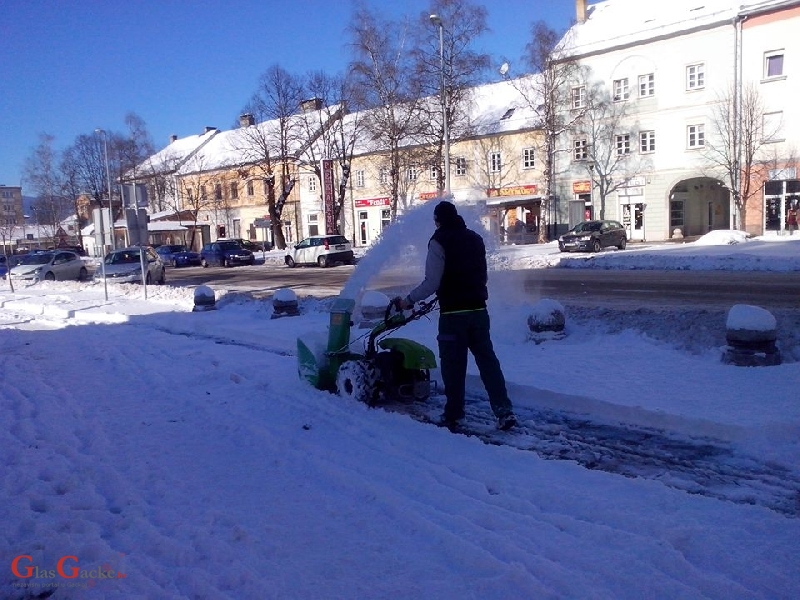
(585, 287)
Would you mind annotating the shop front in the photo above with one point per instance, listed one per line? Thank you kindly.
(514, 213)
(781, 195)
(372, 216)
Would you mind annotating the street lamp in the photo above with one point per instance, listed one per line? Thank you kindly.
(437, 21)
(108, 182)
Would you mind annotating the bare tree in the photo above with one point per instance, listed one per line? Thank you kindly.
(194, 193)
(43, 176)
(331, 132)
(447, 71)
(268, 145)
(611, 142)
(387, 84)
(132, 148)
(546, 93)
(736, 149)
(72, 188)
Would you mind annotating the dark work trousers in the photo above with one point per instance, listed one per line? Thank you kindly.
(460, 332)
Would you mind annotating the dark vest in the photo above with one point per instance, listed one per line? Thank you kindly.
(463, 285)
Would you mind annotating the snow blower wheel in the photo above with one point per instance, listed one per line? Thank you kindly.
(357, 380)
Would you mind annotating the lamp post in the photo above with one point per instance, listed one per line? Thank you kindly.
(437, 20)
(591, 188)
(108, 183)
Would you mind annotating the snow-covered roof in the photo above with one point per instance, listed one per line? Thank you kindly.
(618, 23)
(169, 159)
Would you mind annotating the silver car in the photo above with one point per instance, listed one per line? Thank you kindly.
(125, 266)
(50, 266)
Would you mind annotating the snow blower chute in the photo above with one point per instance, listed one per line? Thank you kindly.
(388, 368)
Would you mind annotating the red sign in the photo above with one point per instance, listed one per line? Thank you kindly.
(512, 190)
(328, 196)
(428, 195)
(367, 202)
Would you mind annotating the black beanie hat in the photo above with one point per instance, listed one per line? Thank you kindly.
(445, 211)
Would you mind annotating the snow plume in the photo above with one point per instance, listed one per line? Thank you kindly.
(404, 244)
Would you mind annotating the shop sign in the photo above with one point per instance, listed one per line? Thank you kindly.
(513, 190)
(631, 191)
(428, 195)
(582, 187)
(367, 202)
(328, 198)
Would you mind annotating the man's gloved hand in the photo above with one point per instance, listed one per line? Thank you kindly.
(402, 303)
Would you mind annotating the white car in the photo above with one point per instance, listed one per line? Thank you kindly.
(320, 250)
(125, 266)
(50, 266)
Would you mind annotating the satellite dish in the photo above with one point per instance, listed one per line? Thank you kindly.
(504, 68)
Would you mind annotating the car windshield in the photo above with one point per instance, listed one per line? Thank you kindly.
(121, 258)
(172, 248)
(41, 258)
(337, 239)
(229, 246)
(587, 226)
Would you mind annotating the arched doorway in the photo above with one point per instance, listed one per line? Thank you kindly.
(697, 206)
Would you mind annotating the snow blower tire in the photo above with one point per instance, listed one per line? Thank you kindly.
(358, 380)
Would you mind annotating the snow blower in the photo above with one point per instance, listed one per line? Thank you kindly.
(387, 369)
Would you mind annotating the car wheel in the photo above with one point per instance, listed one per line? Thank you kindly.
(203, 263)
(290, 262)
(561, 248)
(596, 246)
(175, 263)
(623, 242)
(83, 275)
(225, 262)
(163, 279)
(50, 276)
(322, 261)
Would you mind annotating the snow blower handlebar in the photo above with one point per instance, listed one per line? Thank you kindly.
(396, 319)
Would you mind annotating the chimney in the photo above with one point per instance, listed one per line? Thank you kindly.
(246, 120)
(311, 104)
(208, 129)
(580, 11)
(173, 138)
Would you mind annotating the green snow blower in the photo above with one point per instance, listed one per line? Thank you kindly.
(386, 369)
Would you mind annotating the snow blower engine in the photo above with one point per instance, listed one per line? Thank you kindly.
(386, 369)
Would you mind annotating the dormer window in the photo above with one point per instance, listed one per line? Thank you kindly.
(508, 114)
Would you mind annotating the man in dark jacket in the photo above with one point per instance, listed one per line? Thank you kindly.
(455, 270)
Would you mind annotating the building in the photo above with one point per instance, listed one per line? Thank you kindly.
(11, 212)
(699, 106)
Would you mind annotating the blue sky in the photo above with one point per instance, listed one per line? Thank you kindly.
(68, 67)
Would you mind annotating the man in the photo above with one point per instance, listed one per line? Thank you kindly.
(455, 269)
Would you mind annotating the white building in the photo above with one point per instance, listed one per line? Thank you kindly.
(673, 70)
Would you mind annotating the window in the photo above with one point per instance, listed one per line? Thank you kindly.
(508, 114)
(411, 174)
(218, 191)
(695, 136)
(434, 173)
(623, 144)
(621, 91)
(580, 149)
(647, 85)
(495, 163)
(676, 211)
(647, 141)
(360, 178)
(579, 97)
(312, 184)
(383, 177)
(313, 224)
(528, 161)
(696, 76)
(773, 127)
(773, 64)
(234, 190)
(250, 190)
(461, 166)
(203, 192)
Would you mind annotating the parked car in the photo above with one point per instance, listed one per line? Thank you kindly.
(3, 266)
(252, 245)
(125, 266)
(321, 250)
(593, 236)
(50, 266)
(226, 253)
(178, 255)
